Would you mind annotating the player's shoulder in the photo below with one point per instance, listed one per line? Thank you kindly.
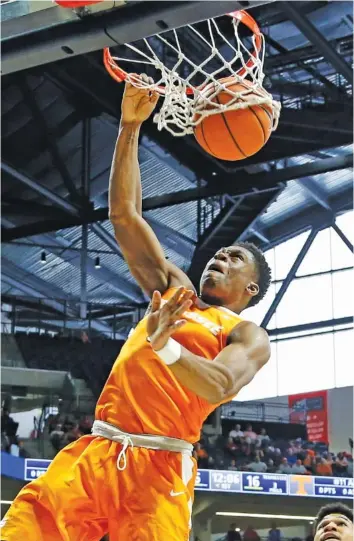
(178, 278)
(248, 331)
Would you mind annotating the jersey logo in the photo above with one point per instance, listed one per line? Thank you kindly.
(172, 493)
(192, 316)
(212, 327)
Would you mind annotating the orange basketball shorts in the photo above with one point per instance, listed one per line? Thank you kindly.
(83, 496)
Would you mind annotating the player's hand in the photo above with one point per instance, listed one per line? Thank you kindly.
(138, 103)
(165, 319)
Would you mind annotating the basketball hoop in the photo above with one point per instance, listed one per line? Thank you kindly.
(188, 88)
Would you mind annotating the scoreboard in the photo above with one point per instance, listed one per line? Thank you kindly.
(274, 484)
(231, 482)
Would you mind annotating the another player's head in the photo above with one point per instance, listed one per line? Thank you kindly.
(237, 277)
(334, 522)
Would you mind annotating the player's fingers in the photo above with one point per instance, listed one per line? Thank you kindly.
(155, 301)
(154, 96)
(177, 325)
(133, 77)
(181, 309)
(173, 301)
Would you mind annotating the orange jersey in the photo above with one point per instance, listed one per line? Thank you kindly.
(142, 395)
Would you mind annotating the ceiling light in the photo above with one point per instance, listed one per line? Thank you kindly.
(97, 263)
(261, 515)
(43, 258)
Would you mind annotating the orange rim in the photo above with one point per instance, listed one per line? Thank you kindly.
(120, 75)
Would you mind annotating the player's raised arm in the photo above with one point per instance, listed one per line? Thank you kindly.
(246, 352)
(138, 242)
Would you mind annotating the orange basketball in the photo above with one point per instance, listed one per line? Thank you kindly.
(234, 135)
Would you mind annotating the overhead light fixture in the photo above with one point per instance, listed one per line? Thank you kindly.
(43, 258)
(262, 515)
(97, 263)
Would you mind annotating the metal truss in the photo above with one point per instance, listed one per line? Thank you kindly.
(127, 289)
(315, 37)
(28, 42)
(316, 217)
(252, 184)
(295, 56)
(343, 237)
(36, 287)
(316, 325)
(59, 164)
(289, 278)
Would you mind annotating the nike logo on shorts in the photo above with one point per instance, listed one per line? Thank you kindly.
(173, 493)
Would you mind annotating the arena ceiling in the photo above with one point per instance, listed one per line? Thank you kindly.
(59, 126)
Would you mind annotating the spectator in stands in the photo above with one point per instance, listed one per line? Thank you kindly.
(231, 447)
(271, 468)
(202, 456)
(291, 458)
(350, 467)
(263, 438)
(277, 456)
(234, 533)
(236, 433)
(299, 468)
(5, 442)
(72, 435)
(22, 451)
(250, 534)
(232, 466)
(249, 434)
(274, 533)
(85, 425)
(257, 465)
(323, 467)
(341, 465)
(284, 466)
(309, 461)
(57, 437)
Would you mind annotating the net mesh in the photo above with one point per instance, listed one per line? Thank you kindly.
(187, 100)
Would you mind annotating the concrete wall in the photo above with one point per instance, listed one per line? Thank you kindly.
(340, 418)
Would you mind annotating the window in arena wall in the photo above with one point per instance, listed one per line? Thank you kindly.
(305, 364)
(307, 300)
(341, 255)
(343, 290)
(265, 383)
(285, 255)
(343, 358)
(346, 223)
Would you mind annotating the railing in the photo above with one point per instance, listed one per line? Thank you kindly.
(257, 411)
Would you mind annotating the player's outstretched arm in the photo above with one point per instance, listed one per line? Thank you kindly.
(218, 380)
(139, 244)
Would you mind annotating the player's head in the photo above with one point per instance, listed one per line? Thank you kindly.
(334, 522)
(237, 277)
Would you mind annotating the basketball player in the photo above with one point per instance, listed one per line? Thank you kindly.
(334, 522)
(134, 476)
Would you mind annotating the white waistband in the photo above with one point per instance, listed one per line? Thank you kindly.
(148, 441)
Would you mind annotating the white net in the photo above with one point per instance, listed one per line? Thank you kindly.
(190, 88)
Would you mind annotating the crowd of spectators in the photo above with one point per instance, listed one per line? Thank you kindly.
(245, 450)
(64, 430)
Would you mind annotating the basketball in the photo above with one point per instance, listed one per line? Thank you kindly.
(234, 135)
